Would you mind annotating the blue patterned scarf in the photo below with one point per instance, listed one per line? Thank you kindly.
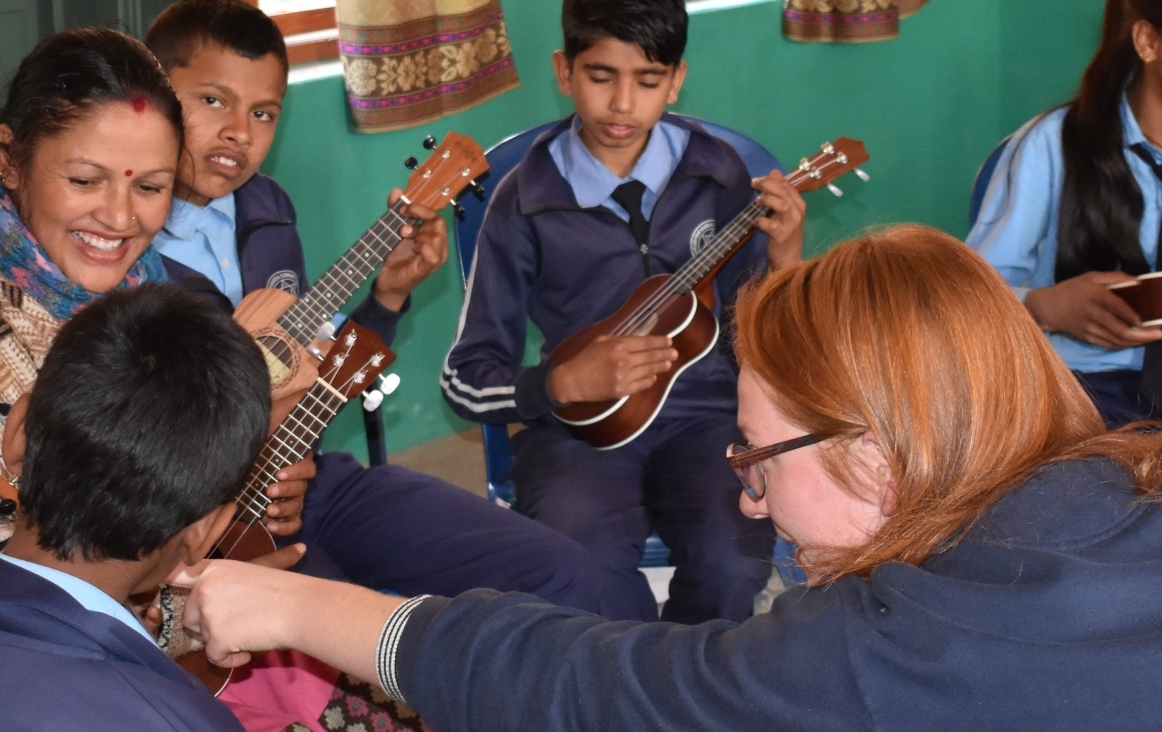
(25, 262)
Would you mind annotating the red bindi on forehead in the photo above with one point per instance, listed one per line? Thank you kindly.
(128, 173)
(140, 103)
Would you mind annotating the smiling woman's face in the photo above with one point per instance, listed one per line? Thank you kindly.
(95, 194)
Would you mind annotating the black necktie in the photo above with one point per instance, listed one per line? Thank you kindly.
(1150, 387)
(629, 196)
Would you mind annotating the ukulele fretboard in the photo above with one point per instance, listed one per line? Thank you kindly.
(336, 286)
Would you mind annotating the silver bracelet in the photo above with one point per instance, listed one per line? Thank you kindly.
(385, 650)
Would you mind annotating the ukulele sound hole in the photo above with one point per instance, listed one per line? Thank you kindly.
(279, 357)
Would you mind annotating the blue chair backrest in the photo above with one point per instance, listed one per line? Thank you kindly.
(502, 158)
(983, 177)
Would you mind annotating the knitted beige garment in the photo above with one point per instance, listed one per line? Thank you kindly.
(27, 331)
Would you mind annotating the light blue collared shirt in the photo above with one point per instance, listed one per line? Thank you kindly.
(593, 183)
(203, 238)
(1017, 227)
(87, 595)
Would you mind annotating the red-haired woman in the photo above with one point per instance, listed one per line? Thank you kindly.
(982, 554)
(1075, 205)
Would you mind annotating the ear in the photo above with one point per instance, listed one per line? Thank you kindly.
(1147, 43)
(563, 70)
(200, 537)
(13, 444)
(679, 78)
(882, 479)
(9, 173)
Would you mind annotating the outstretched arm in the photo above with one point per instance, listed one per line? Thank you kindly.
(239, 607)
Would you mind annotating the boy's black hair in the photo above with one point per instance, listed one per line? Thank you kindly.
(148, 413)
(657, 26)
(232, 24)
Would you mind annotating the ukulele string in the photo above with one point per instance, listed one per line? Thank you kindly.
(309, 310)
(711, 254)
(385, 231)
(253, 499)
(691, 273)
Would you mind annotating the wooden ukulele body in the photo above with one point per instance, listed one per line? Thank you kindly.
(612, 423)
(292, 367)
(241, 542)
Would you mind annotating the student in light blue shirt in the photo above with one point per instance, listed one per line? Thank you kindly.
(1075, 205)
(202, 238)
(593, 183)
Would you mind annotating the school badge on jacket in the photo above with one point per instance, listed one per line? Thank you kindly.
(285, 280)
(703, 234)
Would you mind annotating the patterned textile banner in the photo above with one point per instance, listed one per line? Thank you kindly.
(846, 21)
(407, 62)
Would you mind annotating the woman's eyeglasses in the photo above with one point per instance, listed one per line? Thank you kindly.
(744, 460)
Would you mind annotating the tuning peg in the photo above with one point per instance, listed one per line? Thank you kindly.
(326, 331)
(477, 190)
(372, 398)
(430, 142)
(389, 383)
(861, 175)
(835, 190)
(411, 163)
(459, 211)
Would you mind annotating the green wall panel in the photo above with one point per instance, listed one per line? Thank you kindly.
(1044, 48)
(929, 107)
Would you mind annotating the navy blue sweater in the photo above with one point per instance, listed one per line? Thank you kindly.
(1046, 616)
(65, 667)
(540, 256)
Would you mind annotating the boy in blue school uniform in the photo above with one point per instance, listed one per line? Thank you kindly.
(73, 655)
(232, 230)
(558, 245)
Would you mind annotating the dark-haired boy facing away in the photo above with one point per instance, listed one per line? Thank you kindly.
(142, 426)
(232, 230)
(557, 246)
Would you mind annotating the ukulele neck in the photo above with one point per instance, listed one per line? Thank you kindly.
(289, 444)
(692, 274)
(335, 287)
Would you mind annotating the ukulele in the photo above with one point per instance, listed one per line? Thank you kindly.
(293, 333)
(356, 359)
(680, 306)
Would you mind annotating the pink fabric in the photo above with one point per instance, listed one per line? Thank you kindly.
(280, 688)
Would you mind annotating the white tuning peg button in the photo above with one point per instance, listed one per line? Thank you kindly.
(372, 399)
(862, 175)
(326, 330)
(835, 191)
(389, 383)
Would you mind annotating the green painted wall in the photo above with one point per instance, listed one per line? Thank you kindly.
(929, 107)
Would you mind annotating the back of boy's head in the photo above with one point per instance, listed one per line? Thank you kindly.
(657, 26)
(230, 24)
(148, 413)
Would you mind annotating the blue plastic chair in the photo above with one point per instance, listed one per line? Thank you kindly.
(984, 176)
(502, 158)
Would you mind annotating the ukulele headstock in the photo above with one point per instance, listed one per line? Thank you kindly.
(833, 160)
(355, 361)
(452, 167)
